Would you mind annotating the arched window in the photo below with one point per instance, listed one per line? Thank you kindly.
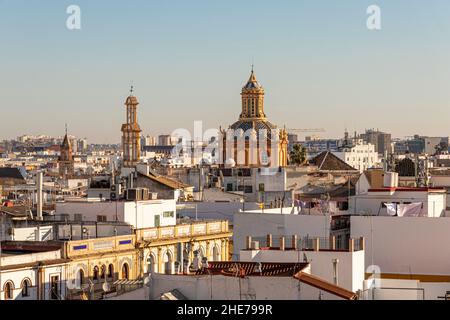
(26, 284)
(168, 263)
(125, 271)
(9, 290)
(111, 271)
(216, 253)
(95, 273)
(103, 272)
(80, 279)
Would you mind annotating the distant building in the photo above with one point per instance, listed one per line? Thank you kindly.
(359, 155)
(65, 161)
(381, 140)
(253, 141)
(131, 133)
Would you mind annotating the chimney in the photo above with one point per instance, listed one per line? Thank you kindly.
(362, 243)
(39, 181)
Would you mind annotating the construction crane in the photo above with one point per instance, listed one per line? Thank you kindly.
(306, 130)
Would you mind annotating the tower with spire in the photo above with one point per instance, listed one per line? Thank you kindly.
(65, 161)
(131, 133)
(264, 144)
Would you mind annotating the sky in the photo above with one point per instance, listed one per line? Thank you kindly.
(320, 65)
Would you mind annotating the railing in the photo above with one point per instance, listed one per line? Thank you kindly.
(183, 230)
(294, 242)
(81, 247)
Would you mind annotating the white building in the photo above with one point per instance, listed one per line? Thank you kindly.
(406, 253)
(38, 275)
(342, 267)
(243, 281)
(278, 222)
(139, 214)
(393, 200)
(360, 155)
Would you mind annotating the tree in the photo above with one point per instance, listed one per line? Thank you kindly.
(298, 155)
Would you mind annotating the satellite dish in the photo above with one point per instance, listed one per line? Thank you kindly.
(147, 281)
(230, 162)
(106, 287)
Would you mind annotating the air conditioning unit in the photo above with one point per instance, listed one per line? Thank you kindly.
(134, 194)
(145, 194)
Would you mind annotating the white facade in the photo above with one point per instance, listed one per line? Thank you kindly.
(35, 276)
(350, 266)
(272, 221)
(140, 214)
(361, 156)
(372, 203)
(218, 287)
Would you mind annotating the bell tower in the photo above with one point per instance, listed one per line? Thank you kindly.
(252, 95)
(131, 133)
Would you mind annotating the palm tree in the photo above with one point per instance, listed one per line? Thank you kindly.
(298, 155)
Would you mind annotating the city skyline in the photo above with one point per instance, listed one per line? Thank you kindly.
(319, 64)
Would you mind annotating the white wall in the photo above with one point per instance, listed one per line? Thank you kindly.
(405, 245)
(350, 268)
(227, 288)
(434, 204)
(261, 224)
(140, 214)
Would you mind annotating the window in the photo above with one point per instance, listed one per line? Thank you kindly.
(125, 271)
(168, 214)
(9, 290)
(54, 285)
(110, 271)
(101, 219)
(26, 284)
(103, 272)
(77, 217)
(95, 273)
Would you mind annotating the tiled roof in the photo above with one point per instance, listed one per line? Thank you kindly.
(169, 182)
(231, 268)
(254, 124)
(325, 286)
(329, 162)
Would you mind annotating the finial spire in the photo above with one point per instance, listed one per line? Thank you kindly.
(132, 88)
(66, 129)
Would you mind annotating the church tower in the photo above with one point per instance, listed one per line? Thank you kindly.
(65, 161)
(253, 141)
(131, 133)
(252, 95)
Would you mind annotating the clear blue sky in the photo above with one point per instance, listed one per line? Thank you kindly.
(321, 67)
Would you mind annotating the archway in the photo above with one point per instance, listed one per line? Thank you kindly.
(80, 279)
(9, 290)
(125, 271)
(168, 262)
(151, 263)
(216, 253)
